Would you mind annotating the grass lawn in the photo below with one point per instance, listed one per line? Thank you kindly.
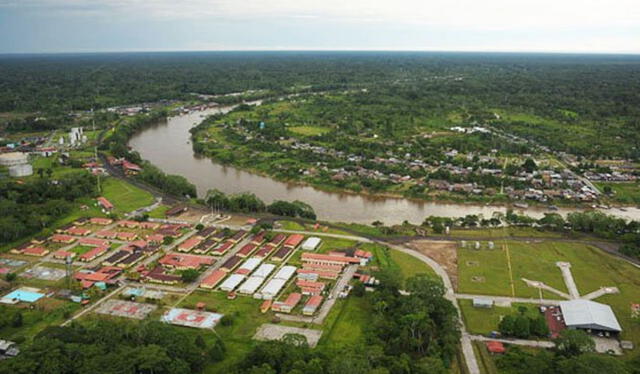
(406, 265)
(493, 233)
(291, 225)
(48, 312)
(591, 269)
(159, 212)
(345, 324)
(624, 193)
(124, 196)
(309, 130)
(236, 337)
(483, 321)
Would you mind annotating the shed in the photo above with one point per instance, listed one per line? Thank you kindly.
(495, 347)
(482, 303)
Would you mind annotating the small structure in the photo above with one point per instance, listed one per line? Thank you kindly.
(8, 349)
(495, 347)
(287, 306)
(104, 203)
(482, 303)
(176, 210)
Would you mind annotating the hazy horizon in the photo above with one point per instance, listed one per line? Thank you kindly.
(543, 26)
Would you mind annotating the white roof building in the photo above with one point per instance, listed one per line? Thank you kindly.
(285, 273)
(251, 264)
(271, 289)
(251, 285)
(264, 270)
(586, 314)
(232, 282)
(311, 244)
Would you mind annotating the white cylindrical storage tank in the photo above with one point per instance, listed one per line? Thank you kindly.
(13, 158)
(18, 171)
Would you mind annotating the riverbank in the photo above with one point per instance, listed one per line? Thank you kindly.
(154, 141)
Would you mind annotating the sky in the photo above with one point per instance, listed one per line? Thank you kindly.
(575, 26)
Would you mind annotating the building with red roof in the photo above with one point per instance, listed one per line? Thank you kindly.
(185, 261)
(309, 287)
(78, 231)
(130, 168)
(312, 305)
(328, 259)
(277, 240)
(62, 254)
(93, 254)
(294, 240)
(93, 242)
(35, 251)
(106, 274)
(149, 225)
(107, 234)
(287, 306)
(104, 203)
(155, 238)
(189, 244)
(246, 250)
(128, 223)
(223, 248)
(101, 221)
(126, 236)
(213, 279)
(60, 238)
(495, 347)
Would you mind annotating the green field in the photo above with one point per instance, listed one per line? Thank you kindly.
(623, 193)
(345, 324)
(482, 321)
(309, 130)
(46, 312)
(591, 270)
(494, 233)
(124, 196)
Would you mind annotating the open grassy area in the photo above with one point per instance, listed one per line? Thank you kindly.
(238, 336)
(514, 232)
(591, 270)
(309, 130)
(346, 322)
(124, 196)
(484, 320)
(159, 212)
(623, 193)
(47, 312)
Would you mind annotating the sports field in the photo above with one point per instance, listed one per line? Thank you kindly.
(125, 196)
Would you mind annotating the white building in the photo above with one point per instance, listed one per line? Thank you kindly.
(589, 315)
(232, 282)
(311, 244)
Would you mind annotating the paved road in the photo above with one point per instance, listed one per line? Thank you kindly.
(565, 268)
(93, 306)
(527, 343)
(467, 347)
(507, 299)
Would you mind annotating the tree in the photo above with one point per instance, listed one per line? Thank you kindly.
(521, 327)
(529, 165)
(189, 275)
(217, 351)
(574, 342)
(16, 321)
(507, 325)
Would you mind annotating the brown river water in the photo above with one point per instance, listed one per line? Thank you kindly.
(167, 145)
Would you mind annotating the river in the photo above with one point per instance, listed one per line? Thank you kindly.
(167, 145)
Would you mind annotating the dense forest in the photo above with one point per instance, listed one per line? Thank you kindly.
(37, 204)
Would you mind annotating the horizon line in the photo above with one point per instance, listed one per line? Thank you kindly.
(142, 51)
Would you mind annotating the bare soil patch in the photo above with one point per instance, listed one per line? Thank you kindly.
(443, 252)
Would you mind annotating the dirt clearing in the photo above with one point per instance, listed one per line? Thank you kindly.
(443, 252)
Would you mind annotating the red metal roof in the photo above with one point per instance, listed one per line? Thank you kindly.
(495, 347)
